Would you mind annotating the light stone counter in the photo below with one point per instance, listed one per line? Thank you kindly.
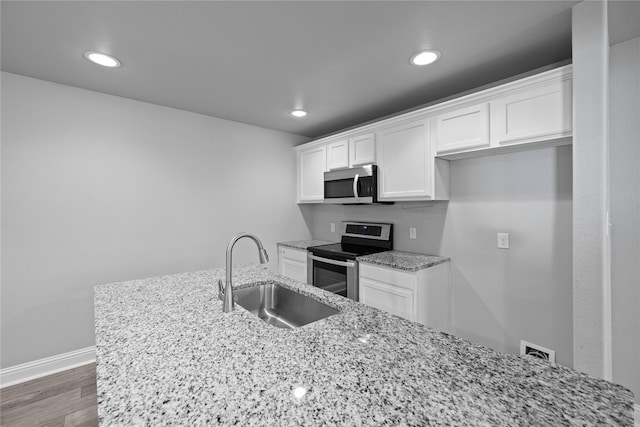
(408, 261)
(304, 244)
(167, 355)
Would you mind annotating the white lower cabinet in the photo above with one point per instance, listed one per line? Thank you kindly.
(292, 263)
(388, 297)
(421, 296)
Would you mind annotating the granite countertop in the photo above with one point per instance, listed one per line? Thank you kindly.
(408, 261)
(167, 354)
(304, 244)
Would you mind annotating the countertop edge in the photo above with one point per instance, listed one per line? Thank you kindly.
(402, 260)
(304, 244)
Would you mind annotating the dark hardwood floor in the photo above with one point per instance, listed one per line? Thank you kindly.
(64, 399)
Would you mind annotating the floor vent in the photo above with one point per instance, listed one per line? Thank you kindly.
(529, 349)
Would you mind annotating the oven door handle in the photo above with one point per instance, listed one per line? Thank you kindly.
(349, 264)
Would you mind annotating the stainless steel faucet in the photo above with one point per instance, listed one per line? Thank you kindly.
(227, 292)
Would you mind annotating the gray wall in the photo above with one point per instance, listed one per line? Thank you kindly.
(498, 296)
(624, 156)
(97, 189)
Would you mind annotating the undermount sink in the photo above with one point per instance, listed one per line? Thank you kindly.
(281, 307)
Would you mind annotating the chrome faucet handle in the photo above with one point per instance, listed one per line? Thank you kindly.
(220, 289)
(264, 256)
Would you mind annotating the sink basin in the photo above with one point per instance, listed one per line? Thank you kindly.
(281, 307)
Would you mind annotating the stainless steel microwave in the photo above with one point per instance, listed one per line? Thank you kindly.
(351, 186)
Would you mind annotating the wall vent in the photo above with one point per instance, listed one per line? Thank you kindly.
(529, 349)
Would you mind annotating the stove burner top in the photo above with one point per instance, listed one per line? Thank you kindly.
(345, 250)
(357, 239)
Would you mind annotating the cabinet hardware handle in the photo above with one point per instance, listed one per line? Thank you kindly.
(355, 186)
(331, 261)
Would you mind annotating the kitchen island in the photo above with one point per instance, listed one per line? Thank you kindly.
(167, 354)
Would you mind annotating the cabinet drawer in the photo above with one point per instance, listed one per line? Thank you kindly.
(299, 255)
(398, 278)
(293, 269)
(391, 299)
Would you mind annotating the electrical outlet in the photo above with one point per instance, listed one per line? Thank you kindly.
(333, 227)
(529, 349)
(412, 233)
(503, 240)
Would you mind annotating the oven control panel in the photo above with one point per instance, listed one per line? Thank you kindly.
(367, 230)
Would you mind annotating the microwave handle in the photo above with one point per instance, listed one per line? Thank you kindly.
(355, 186)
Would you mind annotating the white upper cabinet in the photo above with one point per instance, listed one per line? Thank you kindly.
(537, 113)
(338, 154)
(413, 150)
(312, 164)
(351, 152)
(462, 129)
(362, 150)
(533, 112)
(404, 161)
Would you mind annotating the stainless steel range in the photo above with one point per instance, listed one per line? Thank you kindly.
(334, 267)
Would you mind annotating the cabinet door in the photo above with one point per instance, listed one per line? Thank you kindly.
(387, 297)
(536, 114)
(404, 162)
(294, 270)
(462, 129)
(312, 164)
(362, 150)
(338, 155)
(292, 263)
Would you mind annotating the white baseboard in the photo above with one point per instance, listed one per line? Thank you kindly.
(47, 366)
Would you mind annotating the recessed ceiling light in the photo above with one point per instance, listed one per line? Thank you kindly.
(102, 59)
(425, 57)
(298, 113)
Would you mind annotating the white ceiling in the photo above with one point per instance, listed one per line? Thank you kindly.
(345, 62)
